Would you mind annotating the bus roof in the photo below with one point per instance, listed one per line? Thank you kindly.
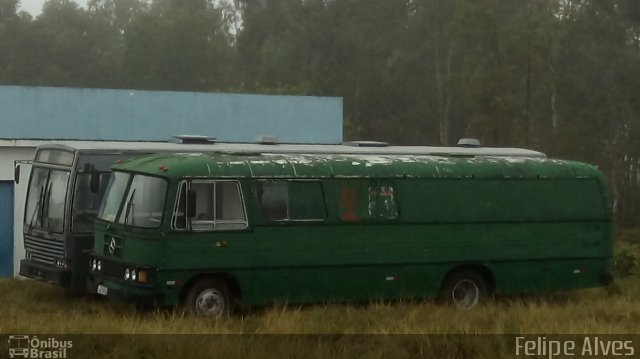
(179, 165)
(257, 148)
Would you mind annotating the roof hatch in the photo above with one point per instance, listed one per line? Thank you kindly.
(365, 144)
(469, 142)
(192, 139)
(267, 140)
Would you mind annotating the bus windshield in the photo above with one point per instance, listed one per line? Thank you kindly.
(86, 202)
(46, 199)
(134, 200)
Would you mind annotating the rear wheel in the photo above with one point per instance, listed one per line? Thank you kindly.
(465, 289)
(209, 298)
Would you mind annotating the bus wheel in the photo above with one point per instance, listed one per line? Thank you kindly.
(464, 289)
(209, 297)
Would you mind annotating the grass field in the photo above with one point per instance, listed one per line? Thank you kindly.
(39, 308)
(32, 307)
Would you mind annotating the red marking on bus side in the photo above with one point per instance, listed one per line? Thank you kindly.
(349, 201)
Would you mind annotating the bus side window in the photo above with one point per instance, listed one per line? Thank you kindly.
(306, 201)
(180, 213)
(219, 206)
(204, 215)
(274, 200)
(292, 201)
(229, 210)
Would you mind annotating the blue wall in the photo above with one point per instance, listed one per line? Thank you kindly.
(98, 114)
(6, 228)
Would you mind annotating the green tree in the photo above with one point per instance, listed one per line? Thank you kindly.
(180, 45)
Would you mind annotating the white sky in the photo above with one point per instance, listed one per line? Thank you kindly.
(34, 7)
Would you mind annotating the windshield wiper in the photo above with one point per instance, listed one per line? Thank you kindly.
(130, 207)
(45, 206)
(37, 208)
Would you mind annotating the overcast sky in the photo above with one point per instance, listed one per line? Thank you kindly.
(34, 7)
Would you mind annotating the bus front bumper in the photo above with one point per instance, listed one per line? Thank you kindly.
(124, 292)
(45, 273)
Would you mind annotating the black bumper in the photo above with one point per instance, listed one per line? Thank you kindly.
(45, 273)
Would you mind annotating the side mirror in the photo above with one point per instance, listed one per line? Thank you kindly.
(95, 181)
(94, 177)
(191, 204)
(16, 174)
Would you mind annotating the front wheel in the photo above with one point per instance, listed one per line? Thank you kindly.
(209, 298)
(464, 289)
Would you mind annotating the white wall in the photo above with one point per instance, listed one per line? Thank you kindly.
(8, 156)
(19, 197)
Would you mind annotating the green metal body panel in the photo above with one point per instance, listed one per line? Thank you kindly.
(534, 224)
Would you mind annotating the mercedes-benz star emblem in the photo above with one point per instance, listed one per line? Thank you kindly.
(112, 245)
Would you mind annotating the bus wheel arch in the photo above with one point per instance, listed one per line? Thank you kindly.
(219, 286)
(467, 286)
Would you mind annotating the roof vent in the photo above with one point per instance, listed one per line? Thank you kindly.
(469, 142)
(192, 139)
(365, 144)
(267, 140)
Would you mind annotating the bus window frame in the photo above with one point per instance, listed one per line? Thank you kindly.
(284, 221)
(66, 209)
(188, 221)
(124, 204)
(74, 154)
(73, 199)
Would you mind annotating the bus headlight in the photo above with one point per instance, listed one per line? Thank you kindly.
(94, 264)
(127, 274)
(99, 266)
(133, 275)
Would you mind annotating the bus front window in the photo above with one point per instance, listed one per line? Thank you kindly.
(55, 200)
(86, 202)
(33, 212)
(46, 200)
(114, 195)
(145, 202)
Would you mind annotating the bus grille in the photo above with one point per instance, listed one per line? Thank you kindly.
(45, 250)
(113, 268)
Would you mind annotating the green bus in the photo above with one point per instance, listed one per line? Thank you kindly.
(211, 231)
(68, 179)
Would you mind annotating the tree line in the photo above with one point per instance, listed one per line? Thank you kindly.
(560, 76)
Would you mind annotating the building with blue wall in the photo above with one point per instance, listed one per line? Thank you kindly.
(132, 115)
(30, 116)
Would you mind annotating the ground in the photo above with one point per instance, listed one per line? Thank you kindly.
(31, 307)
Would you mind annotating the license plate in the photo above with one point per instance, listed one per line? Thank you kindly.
(102, 289)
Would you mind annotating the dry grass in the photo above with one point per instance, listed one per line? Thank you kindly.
(40, 308)
(32, 307)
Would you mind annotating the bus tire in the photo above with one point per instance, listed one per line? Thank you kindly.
(464, 289)
(209, 297)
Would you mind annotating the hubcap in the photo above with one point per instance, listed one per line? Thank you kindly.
(465, 294)
(210, 302)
